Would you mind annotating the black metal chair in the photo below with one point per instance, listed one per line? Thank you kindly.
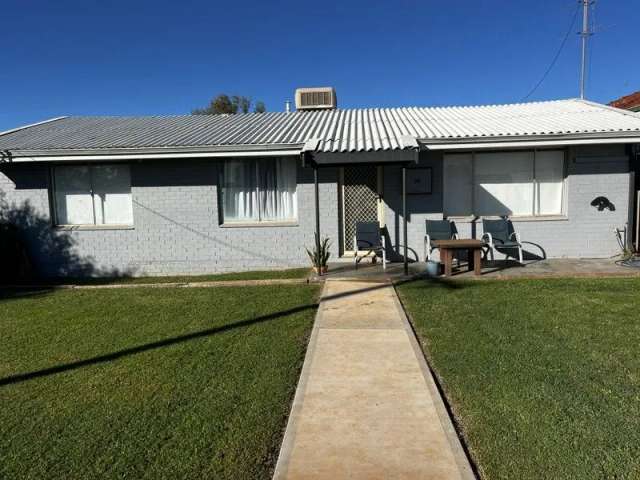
(500, 236)
(369, 239)
(437, 230)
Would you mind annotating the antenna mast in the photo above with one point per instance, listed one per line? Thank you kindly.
(585, 34)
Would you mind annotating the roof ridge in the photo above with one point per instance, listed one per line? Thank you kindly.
(23, 127)
(440, 107)
(506, 104)
(352, 109)
(608, 107)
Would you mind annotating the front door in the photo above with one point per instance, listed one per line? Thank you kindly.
(361, 200)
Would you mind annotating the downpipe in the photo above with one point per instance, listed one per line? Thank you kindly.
(629, 259)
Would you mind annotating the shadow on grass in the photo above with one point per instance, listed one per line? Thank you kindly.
(434, 282)
(17, 293)
(12, 293)
(150, 346)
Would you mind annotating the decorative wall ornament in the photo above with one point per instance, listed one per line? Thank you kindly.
(419, 181)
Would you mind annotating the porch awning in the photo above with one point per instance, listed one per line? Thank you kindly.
(406, 152)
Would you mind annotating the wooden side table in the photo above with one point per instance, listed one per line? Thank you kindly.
(474, 253)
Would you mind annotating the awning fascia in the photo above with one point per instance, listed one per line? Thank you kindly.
(380, 157)
(408, 152)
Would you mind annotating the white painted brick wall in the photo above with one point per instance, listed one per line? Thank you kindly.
(585, 233)
(176, 225)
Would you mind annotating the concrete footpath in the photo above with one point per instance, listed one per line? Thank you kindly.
(366, 406)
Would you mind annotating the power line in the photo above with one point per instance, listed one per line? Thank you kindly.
(555, 59)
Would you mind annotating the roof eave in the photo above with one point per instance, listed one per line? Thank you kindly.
(148, 153)
(514, 141)
(253, 150)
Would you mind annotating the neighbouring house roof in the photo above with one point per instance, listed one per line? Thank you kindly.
(348, 130)
(628, 102)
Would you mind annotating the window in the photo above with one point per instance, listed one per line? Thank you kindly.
(93, 195)
(522, 183)
(259, 190)
(503, 184)
(458, 185)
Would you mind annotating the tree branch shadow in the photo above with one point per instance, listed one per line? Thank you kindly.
(34, 249)
(109, 357)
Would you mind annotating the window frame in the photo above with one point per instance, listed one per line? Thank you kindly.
(222, 222)
(85, 226)
(533, 215)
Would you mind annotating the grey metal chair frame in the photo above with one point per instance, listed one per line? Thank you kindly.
(378, 245)
(495, 244)
(428, 248)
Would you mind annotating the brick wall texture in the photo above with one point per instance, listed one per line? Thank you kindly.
(584, 232)
(177, 228)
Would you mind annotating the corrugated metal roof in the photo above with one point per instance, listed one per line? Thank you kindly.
(348, 130)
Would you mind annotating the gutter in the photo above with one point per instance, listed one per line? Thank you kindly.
(114, 154)
(460, 143)
(469, 143)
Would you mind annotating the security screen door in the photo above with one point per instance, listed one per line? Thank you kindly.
(361, 200)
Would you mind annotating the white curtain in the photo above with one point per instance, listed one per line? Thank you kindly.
(240, 191)
(259, 190)
(278, 189)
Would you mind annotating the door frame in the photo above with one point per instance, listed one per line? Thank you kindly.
(379, 201)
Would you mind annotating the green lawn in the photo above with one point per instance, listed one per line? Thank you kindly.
(291, 273)
(149, 383)
(543, 375)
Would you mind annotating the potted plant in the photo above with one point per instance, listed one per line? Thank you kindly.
(320, 256)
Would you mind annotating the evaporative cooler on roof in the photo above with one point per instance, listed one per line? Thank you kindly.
(320, 98)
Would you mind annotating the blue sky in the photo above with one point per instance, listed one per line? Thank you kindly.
(167, 57)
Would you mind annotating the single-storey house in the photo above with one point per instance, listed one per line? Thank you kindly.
(200, 194)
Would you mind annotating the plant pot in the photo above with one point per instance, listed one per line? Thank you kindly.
(433, 268)
(321, 270)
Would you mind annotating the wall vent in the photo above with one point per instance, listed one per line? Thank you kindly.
(320, 98)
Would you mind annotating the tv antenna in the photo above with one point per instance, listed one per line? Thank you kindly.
(584, 34)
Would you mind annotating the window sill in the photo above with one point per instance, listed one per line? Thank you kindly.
(530, 218)
(68, 228)
(540, 218)
(462, 219)
(258, 224)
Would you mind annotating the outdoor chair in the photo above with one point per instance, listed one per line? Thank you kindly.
(369, 239)
(500, 236)
(437, 230)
